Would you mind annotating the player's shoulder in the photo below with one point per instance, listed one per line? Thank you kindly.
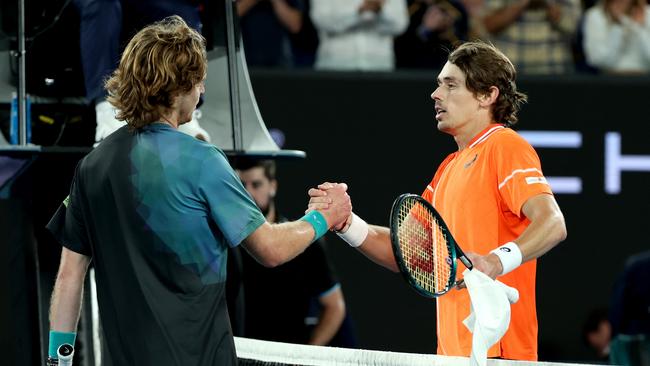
(201, 148)
(507, 138)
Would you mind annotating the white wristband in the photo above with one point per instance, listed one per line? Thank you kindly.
(510, 256)
(356, 233)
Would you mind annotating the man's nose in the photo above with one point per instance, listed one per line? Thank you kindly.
(435, 94)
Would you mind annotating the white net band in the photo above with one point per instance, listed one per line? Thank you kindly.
(256, 352)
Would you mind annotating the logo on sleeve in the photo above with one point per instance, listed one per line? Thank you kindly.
(505, 249)
(535, 180)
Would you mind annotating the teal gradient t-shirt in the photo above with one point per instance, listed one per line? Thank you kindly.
(156, 210)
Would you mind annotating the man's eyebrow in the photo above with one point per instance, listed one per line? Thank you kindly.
(449, 79)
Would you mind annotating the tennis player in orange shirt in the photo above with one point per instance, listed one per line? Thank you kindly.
(491, 193)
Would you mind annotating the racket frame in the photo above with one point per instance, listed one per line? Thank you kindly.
(452, 247)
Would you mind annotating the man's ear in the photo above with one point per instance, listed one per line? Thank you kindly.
(274, 188)
(489, 98)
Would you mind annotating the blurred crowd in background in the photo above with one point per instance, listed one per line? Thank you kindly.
(541, 37)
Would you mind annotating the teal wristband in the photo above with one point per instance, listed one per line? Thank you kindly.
(57, 339)
(317, 221)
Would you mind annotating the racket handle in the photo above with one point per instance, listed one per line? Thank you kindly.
(466, 261)
(463, 258)
(511, 292)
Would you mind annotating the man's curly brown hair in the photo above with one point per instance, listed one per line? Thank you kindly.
(485, 66)
(162, 61)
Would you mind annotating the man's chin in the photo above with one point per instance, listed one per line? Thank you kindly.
(444, 127)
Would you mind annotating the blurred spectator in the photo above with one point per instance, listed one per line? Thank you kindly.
(597, 333)
(277, 301)
(475, 10)
(617, 36)
(266, 26)
(305, 43)
(435, 28)
(535, 34)
(358, 34)
(630, 314)
(100, 36)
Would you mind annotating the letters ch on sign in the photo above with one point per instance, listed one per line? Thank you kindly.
(615, 162)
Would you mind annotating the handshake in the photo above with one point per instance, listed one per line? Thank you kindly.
(333, 202)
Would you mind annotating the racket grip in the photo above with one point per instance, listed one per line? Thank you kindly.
(466, 262)
(65, 354)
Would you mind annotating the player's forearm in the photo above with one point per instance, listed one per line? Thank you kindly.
(66, 298)
(274, 244)
(377, 247)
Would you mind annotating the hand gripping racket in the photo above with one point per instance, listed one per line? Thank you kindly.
(424, 249)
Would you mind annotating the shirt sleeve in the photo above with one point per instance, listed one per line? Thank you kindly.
(519, 172)
(229, 204)
(68, 224)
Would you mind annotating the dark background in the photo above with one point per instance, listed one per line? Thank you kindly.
(377, 133)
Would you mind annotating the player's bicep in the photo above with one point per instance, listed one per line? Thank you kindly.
(547, 227)
(541, 206)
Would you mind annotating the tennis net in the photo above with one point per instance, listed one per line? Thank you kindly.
(264, 353)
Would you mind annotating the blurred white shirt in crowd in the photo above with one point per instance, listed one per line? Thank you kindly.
(357, 40)
(616, 47)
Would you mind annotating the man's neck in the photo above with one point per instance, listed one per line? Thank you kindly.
(463, 138)
(271, 215)
(172, 118)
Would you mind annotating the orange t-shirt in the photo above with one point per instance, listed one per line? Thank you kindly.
(479, 192)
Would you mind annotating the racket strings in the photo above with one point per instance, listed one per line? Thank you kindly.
(424, 247)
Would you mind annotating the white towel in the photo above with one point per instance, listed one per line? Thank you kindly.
(490, 312)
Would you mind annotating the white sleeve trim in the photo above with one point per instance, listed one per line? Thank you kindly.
(517, 171)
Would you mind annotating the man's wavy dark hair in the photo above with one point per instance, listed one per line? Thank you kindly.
(485, 66)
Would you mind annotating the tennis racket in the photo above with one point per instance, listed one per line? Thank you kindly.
(424, 249)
